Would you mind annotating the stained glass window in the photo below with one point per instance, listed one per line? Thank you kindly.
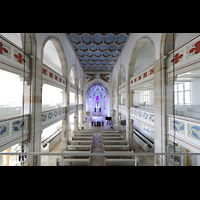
(105, 102)
(90, 103)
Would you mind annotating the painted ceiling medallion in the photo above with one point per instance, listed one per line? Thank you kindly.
(98, 51)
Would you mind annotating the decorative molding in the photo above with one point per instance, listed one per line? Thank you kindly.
(143, 77)
(143, 116)
(73, 88)
(185, 57)
(50, 76)
(186, 129)
(12, 58)
(52, 116)
(122, 87)
(11, 130)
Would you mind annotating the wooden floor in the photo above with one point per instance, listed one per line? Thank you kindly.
(98, 147)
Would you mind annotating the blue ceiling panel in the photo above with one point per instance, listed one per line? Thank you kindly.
(94, 58)
(98, 51)
(106, 54)
(109, 58)
(98, 38)
(103, 47)
(112, 47)
(86, 38)
(120, 39)
(75, 38)
(89, 53)
(83, 47)
(93, 47)
(109, 39)
(101, 59)
(115, 53)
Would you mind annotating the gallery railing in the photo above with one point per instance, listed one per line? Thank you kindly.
(173, 159)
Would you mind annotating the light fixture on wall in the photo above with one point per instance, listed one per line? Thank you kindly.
(166, 56)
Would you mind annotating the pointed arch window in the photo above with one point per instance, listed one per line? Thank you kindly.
(105, 98)
(90, 103)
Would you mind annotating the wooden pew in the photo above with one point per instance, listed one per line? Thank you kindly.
(121, 162)
(114, 142)
(113, 138)
(79, 147)
(111, 134)
(83, 134)
(84, 131)
(117, 154)
(116, 147)
(79, 154)
(81, 142)
(109, 131)
(73, 162)
(82, 138)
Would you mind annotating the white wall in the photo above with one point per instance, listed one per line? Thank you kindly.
(51, 57)
(151, 97)
(138, 98)
(140, 127)
(13, 37)
(195, 96)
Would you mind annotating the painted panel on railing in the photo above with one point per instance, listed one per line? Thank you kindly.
(17, 125)
(4, 129)
(73, 88)
(49, 75)
(142, 115)
(12, 58)
(194, 131)
(178, 125)
(122, 88)
(143, 77)
(11, 131)
(187, 131)
(184, 57)
(49, 117)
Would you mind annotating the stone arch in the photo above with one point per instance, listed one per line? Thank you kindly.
(121, 75)
(114, 82)
(73, 75)
(80, 82)
(55, 43)
(140, 44)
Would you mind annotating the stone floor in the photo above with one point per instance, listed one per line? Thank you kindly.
(98, 147)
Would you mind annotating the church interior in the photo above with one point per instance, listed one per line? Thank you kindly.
(99, 99)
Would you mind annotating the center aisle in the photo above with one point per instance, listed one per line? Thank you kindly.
(97, 147)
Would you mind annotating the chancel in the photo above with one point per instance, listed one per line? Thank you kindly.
(99, 99)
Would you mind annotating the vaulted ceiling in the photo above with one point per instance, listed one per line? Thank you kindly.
(95, 88)
(98, 51)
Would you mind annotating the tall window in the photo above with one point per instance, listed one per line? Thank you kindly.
(182, 93)
(105, 102)
(90, 103)
(146, 96)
